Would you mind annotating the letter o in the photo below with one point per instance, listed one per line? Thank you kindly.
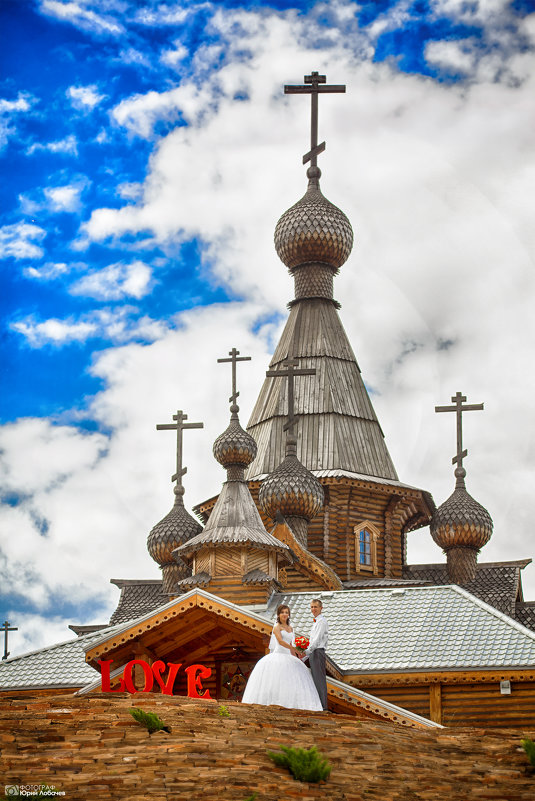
(128, 680)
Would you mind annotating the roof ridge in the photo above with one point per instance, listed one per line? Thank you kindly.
(488, 608)
(55, 645)
(179, 600)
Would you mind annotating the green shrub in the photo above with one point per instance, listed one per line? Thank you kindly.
(529, 748)
(148, 719)
(305, 765)
(251, 797)
(223, 712)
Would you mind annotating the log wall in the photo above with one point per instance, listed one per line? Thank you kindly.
(455, 703)
(331, 534)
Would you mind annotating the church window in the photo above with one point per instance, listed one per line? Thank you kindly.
(365, 547)
(366, 535)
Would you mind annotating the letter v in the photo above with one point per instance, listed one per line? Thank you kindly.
(158, 667)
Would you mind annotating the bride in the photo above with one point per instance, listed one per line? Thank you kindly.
(280, 677)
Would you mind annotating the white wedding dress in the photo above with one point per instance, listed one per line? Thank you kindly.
(281, 678)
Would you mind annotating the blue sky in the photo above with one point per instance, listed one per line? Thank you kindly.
(147, 151)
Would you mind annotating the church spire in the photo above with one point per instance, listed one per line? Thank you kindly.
(291, 489)
(178, 526)
(338, 429)
(461, 526)
(313, 238)
(234, 546)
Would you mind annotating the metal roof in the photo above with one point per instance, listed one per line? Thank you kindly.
(414, 628)
(61, 665)
(371, 630)
(495, 583)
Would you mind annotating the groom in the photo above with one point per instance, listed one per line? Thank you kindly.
(319, 636)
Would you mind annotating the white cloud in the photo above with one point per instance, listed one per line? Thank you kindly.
(454, 56)
(20, 104)
(48, 271)
(118, 325)
(132, 56)
(8, 110)
(162, 15)
(67, 145)
(53, 331)
(18, 241)
(173, 57)
(491, 55)
(64, 198)
(140, 113)
(114, 282)
(87, 540)
(130, 191)
(84, 97)
(81, 15)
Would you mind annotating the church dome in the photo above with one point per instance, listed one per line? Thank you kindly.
(314, 230)
(292, 490)
(461, 522)
(173, 530)
(235, 447)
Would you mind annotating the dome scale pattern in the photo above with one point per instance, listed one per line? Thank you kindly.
(292, 490)
(176, 528)
(314, 230)
(461, 522)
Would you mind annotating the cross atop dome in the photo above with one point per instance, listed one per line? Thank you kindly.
(179, 427)
(234, 357)
(458, 400)
(314, 85)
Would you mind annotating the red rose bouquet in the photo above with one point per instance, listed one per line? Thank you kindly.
(301, 644)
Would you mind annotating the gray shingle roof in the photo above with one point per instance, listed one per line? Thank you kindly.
(525, 614)
(496, 583)
(414, 628)
(390, 630)
(138, 596)
(61, 665)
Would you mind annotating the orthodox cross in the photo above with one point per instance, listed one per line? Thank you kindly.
(291, 371)
(179, 427)
(6, 627)
(458, 408)
(314, 85)
(234, 357)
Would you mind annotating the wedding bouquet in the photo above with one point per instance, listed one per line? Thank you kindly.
(301, 644)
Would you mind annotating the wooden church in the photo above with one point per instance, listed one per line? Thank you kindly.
(312, 506)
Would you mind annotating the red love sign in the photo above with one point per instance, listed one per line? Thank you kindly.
(195, 674)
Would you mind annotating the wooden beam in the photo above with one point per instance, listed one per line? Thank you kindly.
(435, 702)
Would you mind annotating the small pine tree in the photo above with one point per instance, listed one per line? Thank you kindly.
(529, 748)
(305, 765)
(148, 719)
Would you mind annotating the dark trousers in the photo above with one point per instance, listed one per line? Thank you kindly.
(316, 660)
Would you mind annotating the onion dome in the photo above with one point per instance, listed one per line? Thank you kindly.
(175, 529)
(235, 447)
(235, 520)
(461, 526)
(293, 491)
(314, 230)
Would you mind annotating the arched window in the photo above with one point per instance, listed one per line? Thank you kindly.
(366, 535)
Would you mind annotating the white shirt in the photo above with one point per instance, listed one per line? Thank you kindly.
(319, 634)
